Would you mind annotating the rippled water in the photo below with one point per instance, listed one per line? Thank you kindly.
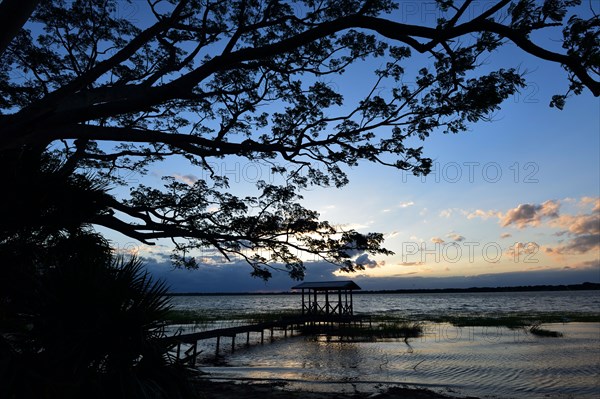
(469, 361)
(484, 362)
(409, 304)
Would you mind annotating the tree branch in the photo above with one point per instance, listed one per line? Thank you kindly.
(13, 15)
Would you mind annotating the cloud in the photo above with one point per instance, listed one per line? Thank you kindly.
(365, 261)
(406, 204)
(411, 264)
(144, 251)
(583, 230)
(437, 240)
(392, 234)
(523, 248)
(187, 179)
(456, 237)
(356, 226)
(591, 200)
(532, 277)
(446, 213)
(505, 235)
(579, 224)
(395, 276)
(235, 277)
(588, 264)
(360, 257)
(479, 213)
(577, 245)
(526, 215)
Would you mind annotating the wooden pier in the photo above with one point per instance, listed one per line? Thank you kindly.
(286, 325)
(314, 312)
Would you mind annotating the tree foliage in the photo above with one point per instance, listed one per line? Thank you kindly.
(90, 326)
(89, 93)
(76, 321)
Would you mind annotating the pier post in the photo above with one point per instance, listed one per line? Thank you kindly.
(232, 343)
(194, 353)
(218, 343)
(248, 338)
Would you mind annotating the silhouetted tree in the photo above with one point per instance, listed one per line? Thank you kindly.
(89, 325)
(74, 320)
(94, 93)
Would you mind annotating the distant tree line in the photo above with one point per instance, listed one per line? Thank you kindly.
(587, 286)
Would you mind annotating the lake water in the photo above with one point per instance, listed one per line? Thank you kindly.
(409, 305)
(484, 362)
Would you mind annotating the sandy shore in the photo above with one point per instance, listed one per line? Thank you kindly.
(244, 390)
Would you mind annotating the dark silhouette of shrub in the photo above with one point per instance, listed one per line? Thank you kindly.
(90, 327)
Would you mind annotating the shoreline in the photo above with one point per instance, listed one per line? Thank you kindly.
(245, 389)
(586, 286)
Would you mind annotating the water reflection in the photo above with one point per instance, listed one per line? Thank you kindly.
(477, 361)
(471, 360)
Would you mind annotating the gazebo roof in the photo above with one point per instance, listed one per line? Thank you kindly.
(328, 285)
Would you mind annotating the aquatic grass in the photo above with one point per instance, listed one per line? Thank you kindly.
(383, 326)
(398, 329)
(371, 332)
(271, 316)
(528, 322)
(536, 329)
(387, 318)
(512, 320)
(185, 317)
(191, 316)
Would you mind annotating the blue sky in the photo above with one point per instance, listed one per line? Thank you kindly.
(514, 201)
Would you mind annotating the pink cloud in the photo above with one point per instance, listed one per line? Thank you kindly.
(456, 237)
(526, 215)
(584, 230)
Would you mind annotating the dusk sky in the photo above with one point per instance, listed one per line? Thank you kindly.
(513, 201)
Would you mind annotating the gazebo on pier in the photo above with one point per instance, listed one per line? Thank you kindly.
(328, 298)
